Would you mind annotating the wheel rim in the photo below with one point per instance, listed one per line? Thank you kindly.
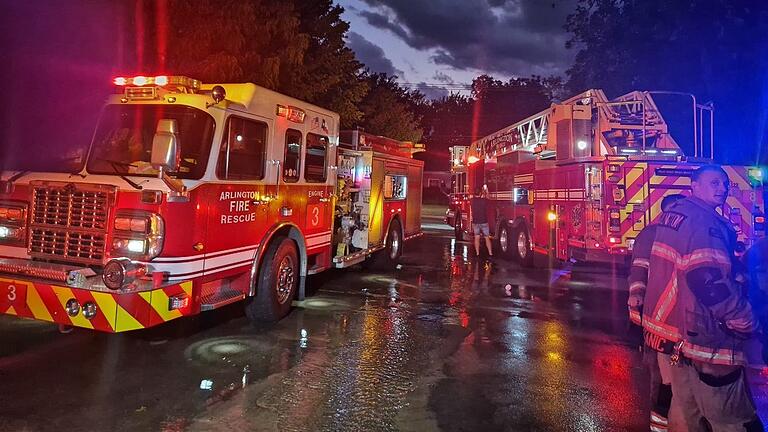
(285, 279)
(394, 249)
(522, 244)
(503, 240)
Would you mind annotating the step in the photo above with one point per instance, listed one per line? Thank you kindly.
(220, 298)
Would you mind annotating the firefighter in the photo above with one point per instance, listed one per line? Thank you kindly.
(479, 208)
(693, 300)
(655, 353)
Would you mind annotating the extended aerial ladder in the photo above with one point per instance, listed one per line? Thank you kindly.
(628, 122)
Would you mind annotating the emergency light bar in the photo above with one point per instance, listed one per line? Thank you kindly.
(158, 81)
(650, 151)
(293, 114)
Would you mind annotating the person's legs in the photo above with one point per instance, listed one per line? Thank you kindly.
(664, 392)
(487, 234)
(476, 232)
(684, 413)
(659, 393)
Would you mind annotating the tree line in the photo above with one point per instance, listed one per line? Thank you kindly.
(715, 49)
(297, 47)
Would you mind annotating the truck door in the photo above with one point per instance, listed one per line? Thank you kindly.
(376, 203)
(318, 157)
(238, 206)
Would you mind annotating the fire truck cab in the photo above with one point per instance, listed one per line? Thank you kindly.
(579, 180)
(193, 196)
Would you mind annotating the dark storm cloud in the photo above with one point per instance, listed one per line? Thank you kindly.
(511, 37)
(372, 55)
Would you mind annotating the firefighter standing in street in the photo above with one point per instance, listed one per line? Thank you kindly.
(655, 351)
(693, 300)
(479, 208)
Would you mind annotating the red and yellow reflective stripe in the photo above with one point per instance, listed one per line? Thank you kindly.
(116, 312)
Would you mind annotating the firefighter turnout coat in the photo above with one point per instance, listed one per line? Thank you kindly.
(638, 272)
(692, 294)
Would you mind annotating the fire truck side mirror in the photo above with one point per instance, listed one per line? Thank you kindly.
(165, 146)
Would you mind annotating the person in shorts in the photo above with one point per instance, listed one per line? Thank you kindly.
(479, 207)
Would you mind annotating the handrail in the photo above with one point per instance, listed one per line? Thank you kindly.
(695, 131)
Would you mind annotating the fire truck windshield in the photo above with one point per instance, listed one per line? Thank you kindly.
(123, 141)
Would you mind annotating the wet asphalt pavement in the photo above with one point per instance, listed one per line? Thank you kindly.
(448, 342)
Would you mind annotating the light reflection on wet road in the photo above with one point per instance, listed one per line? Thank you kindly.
(447, 342)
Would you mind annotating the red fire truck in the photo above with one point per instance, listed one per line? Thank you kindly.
(193, 196)
(581, 179)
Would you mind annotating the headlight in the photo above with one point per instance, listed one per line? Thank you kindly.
(138, 235)
(13, 223)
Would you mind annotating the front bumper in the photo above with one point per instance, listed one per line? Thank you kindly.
(116, 311)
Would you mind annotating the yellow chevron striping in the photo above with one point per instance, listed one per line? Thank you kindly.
(746, 214)
(64, 294)
(656, 206)
(187, 287)
(734, 176)
(745, 188)
(125, 321)
(36, 305)
(11, 311)
(159, 301)
(632, 174)
(638, 197)
(107, 305)
(147, 296)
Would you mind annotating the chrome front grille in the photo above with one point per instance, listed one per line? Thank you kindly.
(69, 221)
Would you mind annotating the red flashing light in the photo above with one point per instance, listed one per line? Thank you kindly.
(759, 219)
(293, 114)
(613, 240)
(141, 80)
(296, 115)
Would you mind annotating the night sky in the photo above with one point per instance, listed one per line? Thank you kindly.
(60, 56)
(441, 45)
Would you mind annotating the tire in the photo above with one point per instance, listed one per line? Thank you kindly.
(521, 245)
(278, 282)
(387, 259)
(504, 241)
(458, 228)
